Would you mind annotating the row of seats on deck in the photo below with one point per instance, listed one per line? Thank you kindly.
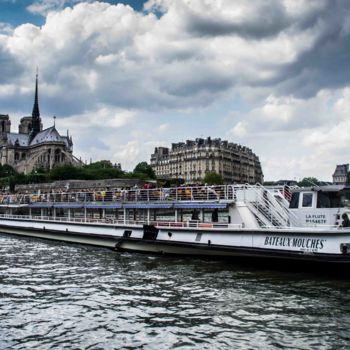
(181, 193)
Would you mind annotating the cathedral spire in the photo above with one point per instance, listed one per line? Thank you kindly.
(36, 121)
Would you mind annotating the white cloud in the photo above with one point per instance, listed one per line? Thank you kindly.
(299, 137)
(129, 153)
(163, 127)
(105, 68)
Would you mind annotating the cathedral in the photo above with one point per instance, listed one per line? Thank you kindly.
(32, 147)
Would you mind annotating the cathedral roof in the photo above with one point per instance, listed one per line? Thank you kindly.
(22, 139)
(47, 135)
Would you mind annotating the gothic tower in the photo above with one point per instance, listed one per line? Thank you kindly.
(36, 121)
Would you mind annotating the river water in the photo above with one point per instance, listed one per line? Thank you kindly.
(62, 296)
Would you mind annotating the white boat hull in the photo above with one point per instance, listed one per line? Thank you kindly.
(292, 244)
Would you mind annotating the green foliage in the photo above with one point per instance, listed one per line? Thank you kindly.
(213, 178)
(308, 181)
(103, 169)
(7, 176)
(102, 164)
(6, 170)
(95, 171)
(102, 173)
(144, 171)
(66, 172)
(36, 178)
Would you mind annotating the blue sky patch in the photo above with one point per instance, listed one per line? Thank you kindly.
(15, 12)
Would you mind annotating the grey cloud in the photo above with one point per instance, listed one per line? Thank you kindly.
(10, 67)
(326, 63)
(268, 20)
(85, 143)
(209, 82)
(184, 73)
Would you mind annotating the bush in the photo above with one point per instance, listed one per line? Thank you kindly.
(213, 178)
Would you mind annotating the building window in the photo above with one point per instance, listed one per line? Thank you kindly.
(57, 156)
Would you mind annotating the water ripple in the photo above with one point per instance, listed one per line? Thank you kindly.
(61, 296)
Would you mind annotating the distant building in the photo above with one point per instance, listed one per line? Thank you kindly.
(32, 147)
(192, 159)
(285, 182)
(340, 174)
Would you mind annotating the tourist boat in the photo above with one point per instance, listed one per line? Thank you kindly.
(237, 221)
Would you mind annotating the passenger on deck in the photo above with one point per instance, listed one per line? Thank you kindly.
(215, 215)
(346, 221)
(195, 215)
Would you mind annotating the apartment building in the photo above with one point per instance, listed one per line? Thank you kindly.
(192, 159)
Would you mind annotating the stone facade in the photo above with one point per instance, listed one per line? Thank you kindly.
(192, 159)
(32, 147)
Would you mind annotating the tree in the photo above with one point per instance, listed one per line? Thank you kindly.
(6, 170)
(144, 169)
(102, 173)
(102, 164)
(213, 178)
(308, 181)
(66, 172)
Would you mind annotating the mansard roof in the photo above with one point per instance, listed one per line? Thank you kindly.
(341, 170)
(47, 135)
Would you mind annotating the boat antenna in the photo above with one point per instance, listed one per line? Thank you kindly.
(312, 183)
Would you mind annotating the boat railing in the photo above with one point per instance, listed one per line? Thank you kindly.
(279, 205)
(196, 193)
(268, 205)
(110, 221)
(161, 224)
(176, 194)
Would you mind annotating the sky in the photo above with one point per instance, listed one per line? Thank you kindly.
(127, 76)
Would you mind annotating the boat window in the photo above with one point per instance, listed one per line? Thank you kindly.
(307, 200)
(344, 198)
(294, 202)
(323, 200)
(332, 199)
(335, 199)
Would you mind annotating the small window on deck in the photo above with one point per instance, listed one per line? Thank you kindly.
(335, 200)
(307, 200)
(294, 202)
(323, 200)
